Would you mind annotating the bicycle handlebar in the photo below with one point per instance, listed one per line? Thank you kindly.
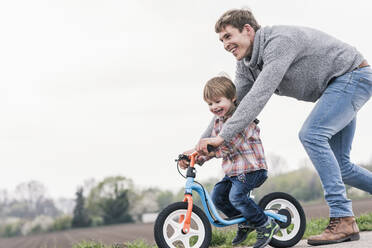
(191, 158)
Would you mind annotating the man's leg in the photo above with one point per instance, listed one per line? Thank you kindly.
(352, 174)
(333, 113)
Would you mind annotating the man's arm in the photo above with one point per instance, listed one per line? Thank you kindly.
(278, 56)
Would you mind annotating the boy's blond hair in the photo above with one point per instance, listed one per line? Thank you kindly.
(236, 18)
(220, 86)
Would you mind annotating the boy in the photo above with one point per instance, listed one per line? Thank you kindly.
(243, 163)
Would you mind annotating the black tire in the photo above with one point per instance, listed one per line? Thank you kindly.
(199, 220)
(295, 210)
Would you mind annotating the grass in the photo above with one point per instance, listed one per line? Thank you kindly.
(222, 238)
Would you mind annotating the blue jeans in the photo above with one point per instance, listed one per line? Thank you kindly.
(231, 196)
(327, 135)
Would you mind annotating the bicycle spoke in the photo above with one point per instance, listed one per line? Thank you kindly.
(284, 233)
(194, 232)
(186, 241)
(175, 225)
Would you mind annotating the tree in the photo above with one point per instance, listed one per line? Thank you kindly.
(32, 192)
(111, 200)
(115, 209)
(81, 218)
(31, 201)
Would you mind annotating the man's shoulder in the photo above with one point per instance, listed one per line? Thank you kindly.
(292, 32)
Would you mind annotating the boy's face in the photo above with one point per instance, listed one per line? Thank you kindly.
(240, 44)
(220, 106)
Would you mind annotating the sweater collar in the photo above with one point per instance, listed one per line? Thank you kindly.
(257, 51)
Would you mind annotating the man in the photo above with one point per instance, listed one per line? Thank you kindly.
(312, 66)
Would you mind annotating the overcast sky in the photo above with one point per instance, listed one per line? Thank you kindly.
(92, 88)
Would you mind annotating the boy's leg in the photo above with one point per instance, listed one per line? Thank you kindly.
(352, 174)
(220, 197)
(239, 196)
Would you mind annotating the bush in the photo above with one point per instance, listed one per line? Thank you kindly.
(11, 229)
(86, 244)
(37, 225)
(61, 223)
(96, 221)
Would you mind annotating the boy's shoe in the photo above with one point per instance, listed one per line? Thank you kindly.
(241, 234)
(265, 233)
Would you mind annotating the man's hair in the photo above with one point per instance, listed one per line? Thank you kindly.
(236, 18)
(220, 86)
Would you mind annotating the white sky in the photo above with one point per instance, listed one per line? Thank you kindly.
(90, 89)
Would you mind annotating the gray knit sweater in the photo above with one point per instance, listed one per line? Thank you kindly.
(290, 61)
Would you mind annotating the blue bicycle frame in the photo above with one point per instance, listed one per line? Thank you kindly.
(191, 185)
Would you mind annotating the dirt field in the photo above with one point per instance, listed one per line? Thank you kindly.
(129, 232)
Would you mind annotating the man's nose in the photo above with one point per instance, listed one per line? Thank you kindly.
(226, 46)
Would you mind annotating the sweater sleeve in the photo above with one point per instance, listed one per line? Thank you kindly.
(208, 132)
(278, 55)
(243, 80)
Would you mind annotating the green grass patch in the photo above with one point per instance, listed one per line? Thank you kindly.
(222, 238)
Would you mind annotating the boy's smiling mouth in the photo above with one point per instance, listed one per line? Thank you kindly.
(218, 112)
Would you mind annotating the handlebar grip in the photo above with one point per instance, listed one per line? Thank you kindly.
(183, 157)
(211, 148)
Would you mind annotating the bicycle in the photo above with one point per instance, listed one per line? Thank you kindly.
(183, 224)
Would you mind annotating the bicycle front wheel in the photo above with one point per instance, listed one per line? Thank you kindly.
(168, 231)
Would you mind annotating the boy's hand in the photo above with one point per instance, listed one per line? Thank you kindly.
(201, 147)
(183, 163)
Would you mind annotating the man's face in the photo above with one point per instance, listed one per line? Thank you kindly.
(238, 43)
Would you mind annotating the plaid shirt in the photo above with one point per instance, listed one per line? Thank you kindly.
(243, 154)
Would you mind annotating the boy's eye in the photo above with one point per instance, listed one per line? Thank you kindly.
(218, 101)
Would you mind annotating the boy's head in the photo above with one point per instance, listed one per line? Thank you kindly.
(236, 29)
(220, 95)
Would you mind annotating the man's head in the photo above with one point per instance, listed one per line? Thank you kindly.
(236, 29)
(220, 95)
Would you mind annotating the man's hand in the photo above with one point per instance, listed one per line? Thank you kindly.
(201, 147)
(183, 163)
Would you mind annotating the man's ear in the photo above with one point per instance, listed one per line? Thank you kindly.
(247, 27)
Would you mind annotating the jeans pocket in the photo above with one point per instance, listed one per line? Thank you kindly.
(242, 178)
(261, 179)
(362, 93)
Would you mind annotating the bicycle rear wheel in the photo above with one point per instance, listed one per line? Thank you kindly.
(291, 232)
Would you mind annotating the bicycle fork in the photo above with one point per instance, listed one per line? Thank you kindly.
(186, 224)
